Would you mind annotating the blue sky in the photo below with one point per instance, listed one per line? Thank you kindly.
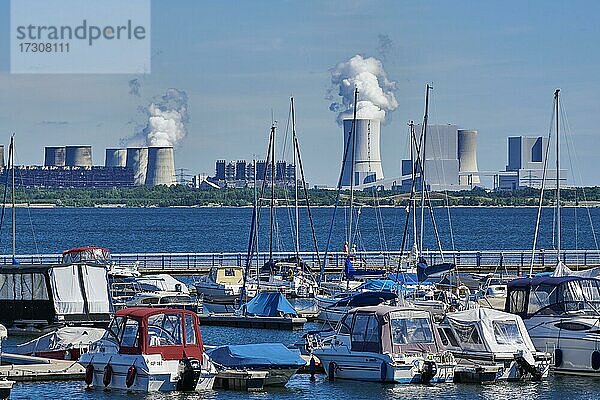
(494, 66)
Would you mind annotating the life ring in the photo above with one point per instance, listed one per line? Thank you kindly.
(89, 374)
(131, 374)
(107, 377)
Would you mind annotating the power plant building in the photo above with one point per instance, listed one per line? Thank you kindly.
(160, 168)
(241, 173)
(525, 168)
(450, 159)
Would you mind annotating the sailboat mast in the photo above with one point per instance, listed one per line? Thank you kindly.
(296, 209)
(353, 133)
(422, 150)
(413, 145)
(271, 215)
(13, 211)
(558, 233)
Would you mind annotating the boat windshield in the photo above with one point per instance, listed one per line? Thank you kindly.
(582, 296)
(165, 330)
(411, 330)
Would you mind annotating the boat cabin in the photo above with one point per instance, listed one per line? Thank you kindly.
(227, 275)
(88, 254)
(484, 330)
(528, 297)
(172, 333)
(386, 329)
(64, 294)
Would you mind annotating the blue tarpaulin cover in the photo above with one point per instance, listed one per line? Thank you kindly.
(365, 299)
(270, 304)
(260, 355)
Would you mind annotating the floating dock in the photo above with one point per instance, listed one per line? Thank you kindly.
(241, 321)
(20, 368)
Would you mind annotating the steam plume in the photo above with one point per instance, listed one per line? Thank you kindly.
(375, 90)
(167, 117)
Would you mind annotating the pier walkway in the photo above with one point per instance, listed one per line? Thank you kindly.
(483, 261)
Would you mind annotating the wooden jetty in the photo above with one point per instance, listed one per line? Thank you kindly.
(249, 321)
(20, 368)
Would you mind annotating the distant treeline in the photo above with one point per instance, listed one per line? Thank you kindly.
(162, 196)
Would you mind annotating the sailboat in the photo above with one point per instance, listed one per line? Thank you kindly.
(561, 313)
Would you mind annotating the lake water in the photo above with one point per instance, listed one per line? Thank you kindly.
(225, 230)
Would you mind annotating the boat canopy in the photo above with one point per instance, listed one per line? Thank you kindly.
(61, 340)
(547, 295)
(227, 275)
(485, 330)
(387, 329)
(270, 304)
(562, 270)
(90, 254)
(160, 282)
(257, 356)
(172, 333)
(364, 299)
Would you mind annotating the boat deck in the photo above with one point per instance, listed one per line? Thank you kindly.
(20, 368)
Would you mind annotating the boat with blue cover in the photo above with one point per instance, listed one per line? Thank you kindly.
(276, 359)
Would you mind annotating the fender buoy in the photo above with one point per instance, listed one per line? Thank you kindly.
(558, 358)
(89, 374)
(383, 371)
(131, 374)
(107, 377)
(596, 360)
(331, 371)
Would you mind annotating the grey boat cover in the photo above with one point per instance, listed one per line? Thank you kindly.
(255, 356)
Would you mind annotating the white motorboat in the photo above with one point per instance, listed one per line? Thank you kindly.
(491, 345)
(385, 344)
(150, 349)
(164, 300)
(221, 283)
(562, 317)
(335, 308)
(5, 384)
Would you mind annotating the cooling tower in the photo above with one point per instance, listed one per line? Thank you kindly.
(1, 156)
(54, 157)
(115, 158)
(467, 157)
(137, 160)
(367, 158)
(78, 156)
(161, 167)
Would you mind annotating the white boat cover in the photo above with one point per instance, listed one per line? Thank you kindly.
(163, 282)
(62, 340)
(562, 270)
(495, 331)
(67, 291)
(95, 284)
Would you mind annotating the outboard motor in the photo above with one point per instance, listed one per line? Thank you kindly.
(428, 372)
(189, 373)
(526, 367)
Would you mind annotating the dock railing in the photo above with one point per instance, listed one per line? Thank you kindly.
(482, 261)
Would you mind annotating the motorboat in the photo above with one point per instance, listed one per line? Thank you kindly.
(150, 349)
(45, 297)
(492, 296)
(164, 300)
(67, 343)
(278, 361)
(221, 283)
(335, 308)
(5, 384)
(385, 344)
(290, 275)
(562, 317)
(160, 283)
(491, 345)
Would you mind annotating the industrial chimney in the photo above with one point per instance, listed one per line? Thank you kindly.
(137, 160)
(116, 158)
(467, 157)
(78, 156)
(54, 156)
(367, 158)
(161, 167)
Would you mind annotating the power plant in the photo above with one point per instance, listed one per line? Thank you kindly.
(468, 173)
(115, 158)
(71, 166)
(137, 160)
(160, 167)
(362, 152)
(78, 156)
